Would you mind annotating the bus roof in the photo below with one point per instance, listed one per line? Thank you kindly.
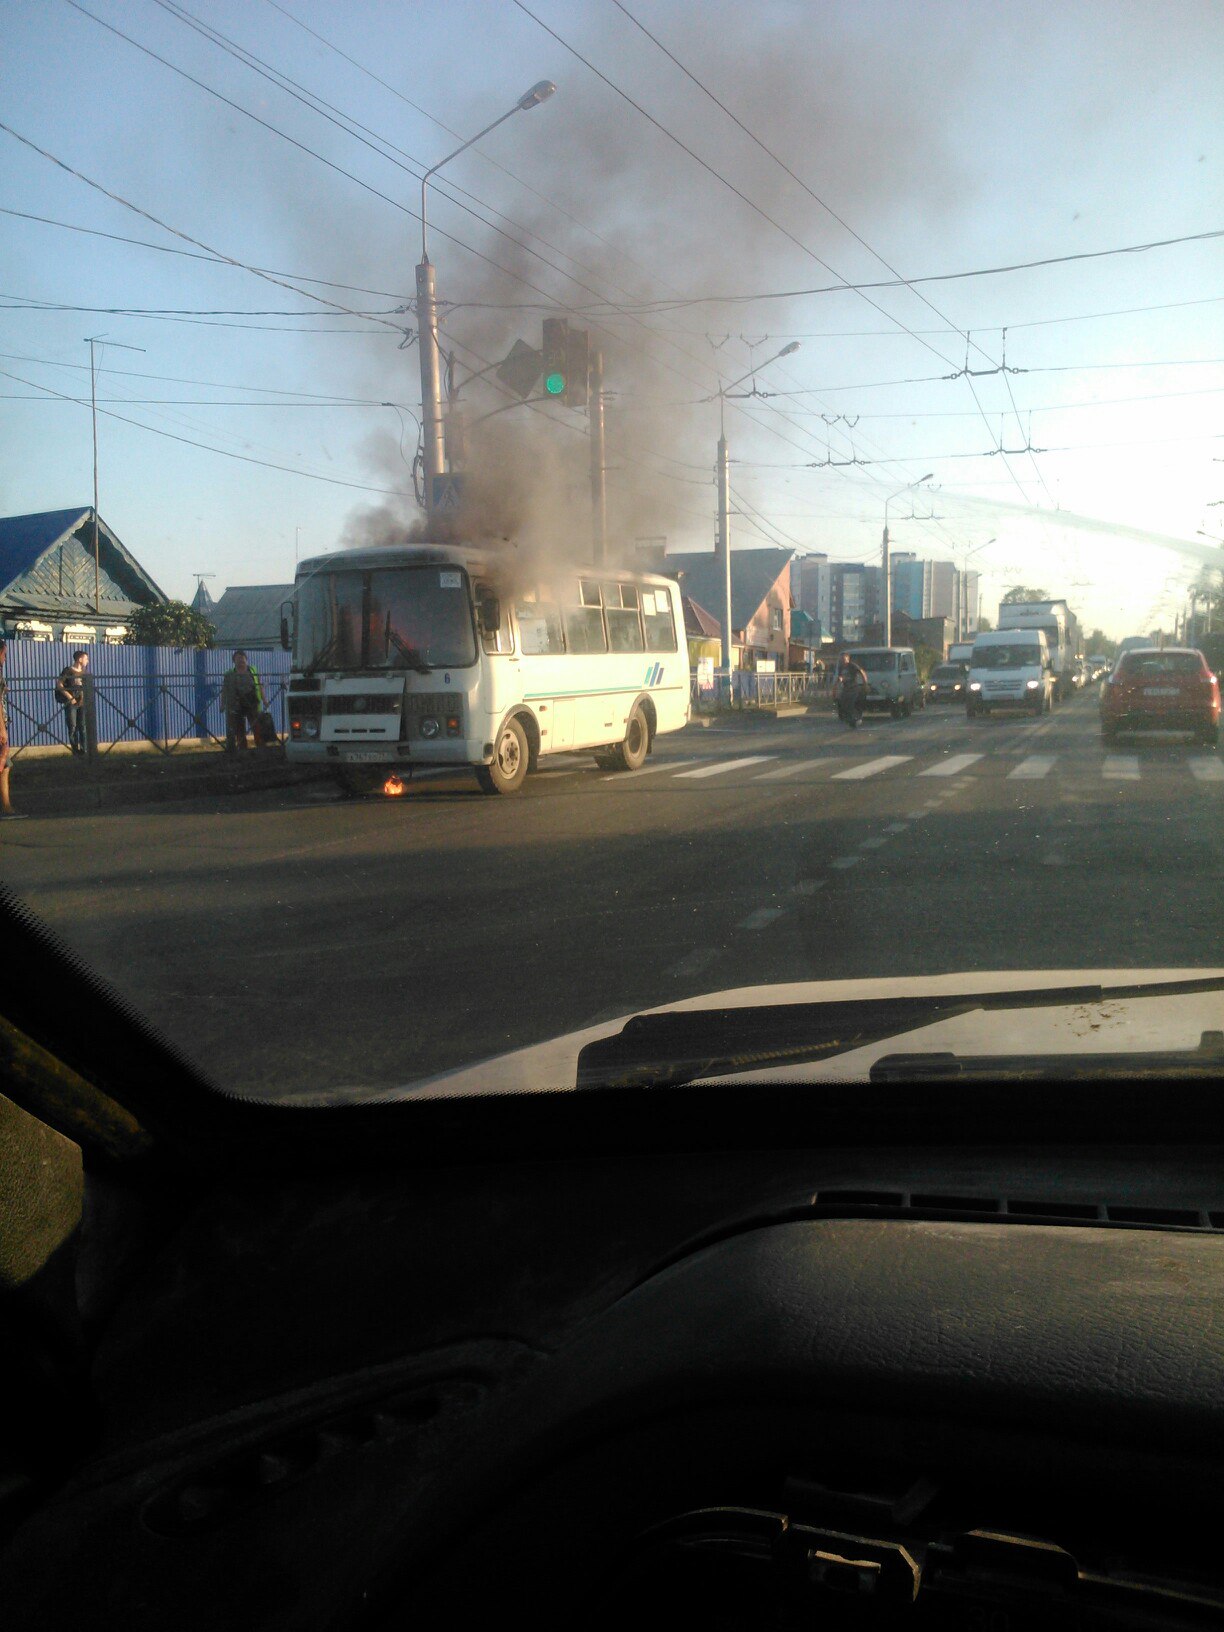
(485, 558)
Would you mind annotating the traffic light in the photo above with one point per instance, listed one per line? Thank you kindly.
(556, 357)
(577, 368)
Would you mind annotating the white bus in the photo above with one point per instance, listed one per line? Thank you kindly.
(439, 654)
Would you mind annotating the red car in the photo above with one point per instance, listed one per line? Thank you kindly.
(1161, 690)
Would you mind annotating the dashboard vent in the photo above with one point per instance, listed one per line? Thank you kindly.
(217, 1492)
(1018, 1210)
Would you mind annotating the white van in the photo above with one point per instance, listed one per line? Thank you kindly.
(1010, 668)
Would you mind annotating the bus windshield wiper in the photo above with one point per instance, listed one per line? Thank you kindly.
(321, 656)
(690, 1045)
(412, 659)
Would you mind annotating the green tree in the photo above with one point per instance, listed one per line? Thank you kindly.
(172, 623)
(1099, 643)
(1022, 592)
(984, 626)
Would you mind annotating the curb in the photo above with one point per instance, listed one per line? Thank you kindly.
(89, 796)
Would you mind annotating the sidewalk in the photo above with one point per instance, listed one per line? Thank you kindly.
(51, 782)
(747, 718)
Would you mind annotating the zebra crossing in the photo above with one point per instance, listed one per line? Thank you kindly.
(785, 772)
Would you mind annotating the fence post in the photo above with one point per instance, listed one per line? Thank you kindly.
(91, 718)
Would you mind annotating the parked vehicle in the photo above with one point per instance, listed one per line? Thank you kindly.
(892, 678)
(1010, 668)
(1161, 690)
(948, 683)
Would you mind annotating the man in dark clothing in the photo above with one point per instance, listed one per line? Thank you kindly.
(70, 689)
(241, 701)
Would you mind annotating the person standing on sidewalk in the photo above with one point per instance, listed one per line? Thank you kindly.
(7, 813)
(70, 690)
(241, 702)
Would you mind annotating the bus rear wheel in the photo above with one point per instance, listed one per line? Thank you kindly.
(630, 755)
(508, 771)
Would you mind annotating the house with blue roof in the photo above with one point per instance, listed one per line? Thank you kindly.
(54, 587)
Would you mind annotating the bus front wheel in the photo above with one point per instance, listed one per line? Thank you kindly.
(630, 755)
(508, 770)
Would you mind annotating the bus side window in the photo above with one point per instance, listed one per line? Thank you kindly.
(539, 624)
(584, 629)
(660, 625)
(624, 620)
(501, 639)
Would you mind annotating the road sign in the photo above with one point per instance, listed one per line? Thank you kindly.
(521, 369)
(447, 494)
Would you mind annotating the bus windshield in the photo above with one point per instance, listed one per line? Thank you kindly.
(390, 618)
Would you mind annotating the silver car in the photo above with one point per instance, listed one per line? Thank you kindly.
(892, 678)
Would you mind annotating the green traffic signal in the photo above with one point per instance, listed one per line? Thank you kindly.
(554, 384)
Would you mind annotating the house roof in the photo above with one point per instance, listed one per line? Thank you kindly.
(753, 575)
(249, 613)
(699, 623)
(202, 601)
(26, 540)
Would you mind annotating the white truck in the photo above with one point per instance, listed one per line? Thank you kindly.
(960, 651)
(1061, 629)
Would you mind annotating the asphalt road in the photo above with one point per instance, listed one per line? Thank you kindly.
(294, 939)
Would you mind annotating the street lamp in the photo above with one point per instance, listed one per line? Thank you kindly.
(961, 619)
(722, 471)
(885, 562)
(427, 306)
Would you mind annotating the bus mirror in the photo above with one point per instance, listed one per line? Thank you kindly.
(285, 639)
(488, 614)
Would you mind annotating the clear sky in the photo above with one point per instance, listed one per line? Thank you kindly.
(875, 142)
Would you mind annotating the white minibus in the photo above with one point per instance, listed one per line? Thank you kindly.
(1010, 668)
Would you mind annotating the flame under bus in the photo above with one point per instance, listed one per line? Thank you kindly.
(441, 655)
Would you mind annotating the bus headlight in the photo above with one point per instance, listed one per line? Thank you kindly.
(429, 726)
(310, 727)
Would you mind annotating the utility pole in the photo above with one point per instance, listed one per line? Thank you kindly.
(427, 306)
(95, 340)
(722, 474)
(599, 491)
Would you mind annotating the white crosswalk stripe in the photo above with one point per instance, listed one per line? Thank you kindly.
(721, 767)
(873, 767)
(1207, 770)
(1035, 765)
(1121, 767)
(950, 767)
(783, 771)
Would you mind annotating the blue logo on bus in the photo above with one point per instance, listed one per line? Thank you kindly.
(654, 674)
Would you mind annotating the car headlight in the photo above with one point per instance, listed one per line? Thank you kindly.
(1031, 685)
(957, 686)
(975, 685)
(429, 726)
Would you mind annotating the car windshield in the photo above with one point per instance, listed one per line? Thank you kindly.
(1006, 656)
(465, 440)
(1155, 665)
(385, 619)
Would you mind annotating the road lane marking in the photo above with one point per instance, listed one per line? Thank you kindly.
(1122, 767)
(1034, 766)
(872, 844)
(950, 767)
(695, 962)
(723, 765)
(808, 886)
(897, 827)
(789, 770)
(1207, 770)
(873, 767)
(761, 917)
(649, 770)
(843, 862)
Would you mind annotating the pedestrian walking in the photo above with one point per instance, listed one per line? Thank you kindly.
(70, 690)
(7, 813)
(242, 702)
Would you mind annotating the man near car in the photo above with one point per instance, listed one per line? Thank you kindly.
(70, 691)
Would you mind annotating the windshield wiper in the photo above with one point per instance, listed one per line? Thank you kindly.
(412, 658)
(1206, 1060)
(321, 657)
(668, 1050)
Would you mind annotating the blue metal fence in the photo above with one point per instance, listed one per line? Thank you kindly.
(165, 695)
